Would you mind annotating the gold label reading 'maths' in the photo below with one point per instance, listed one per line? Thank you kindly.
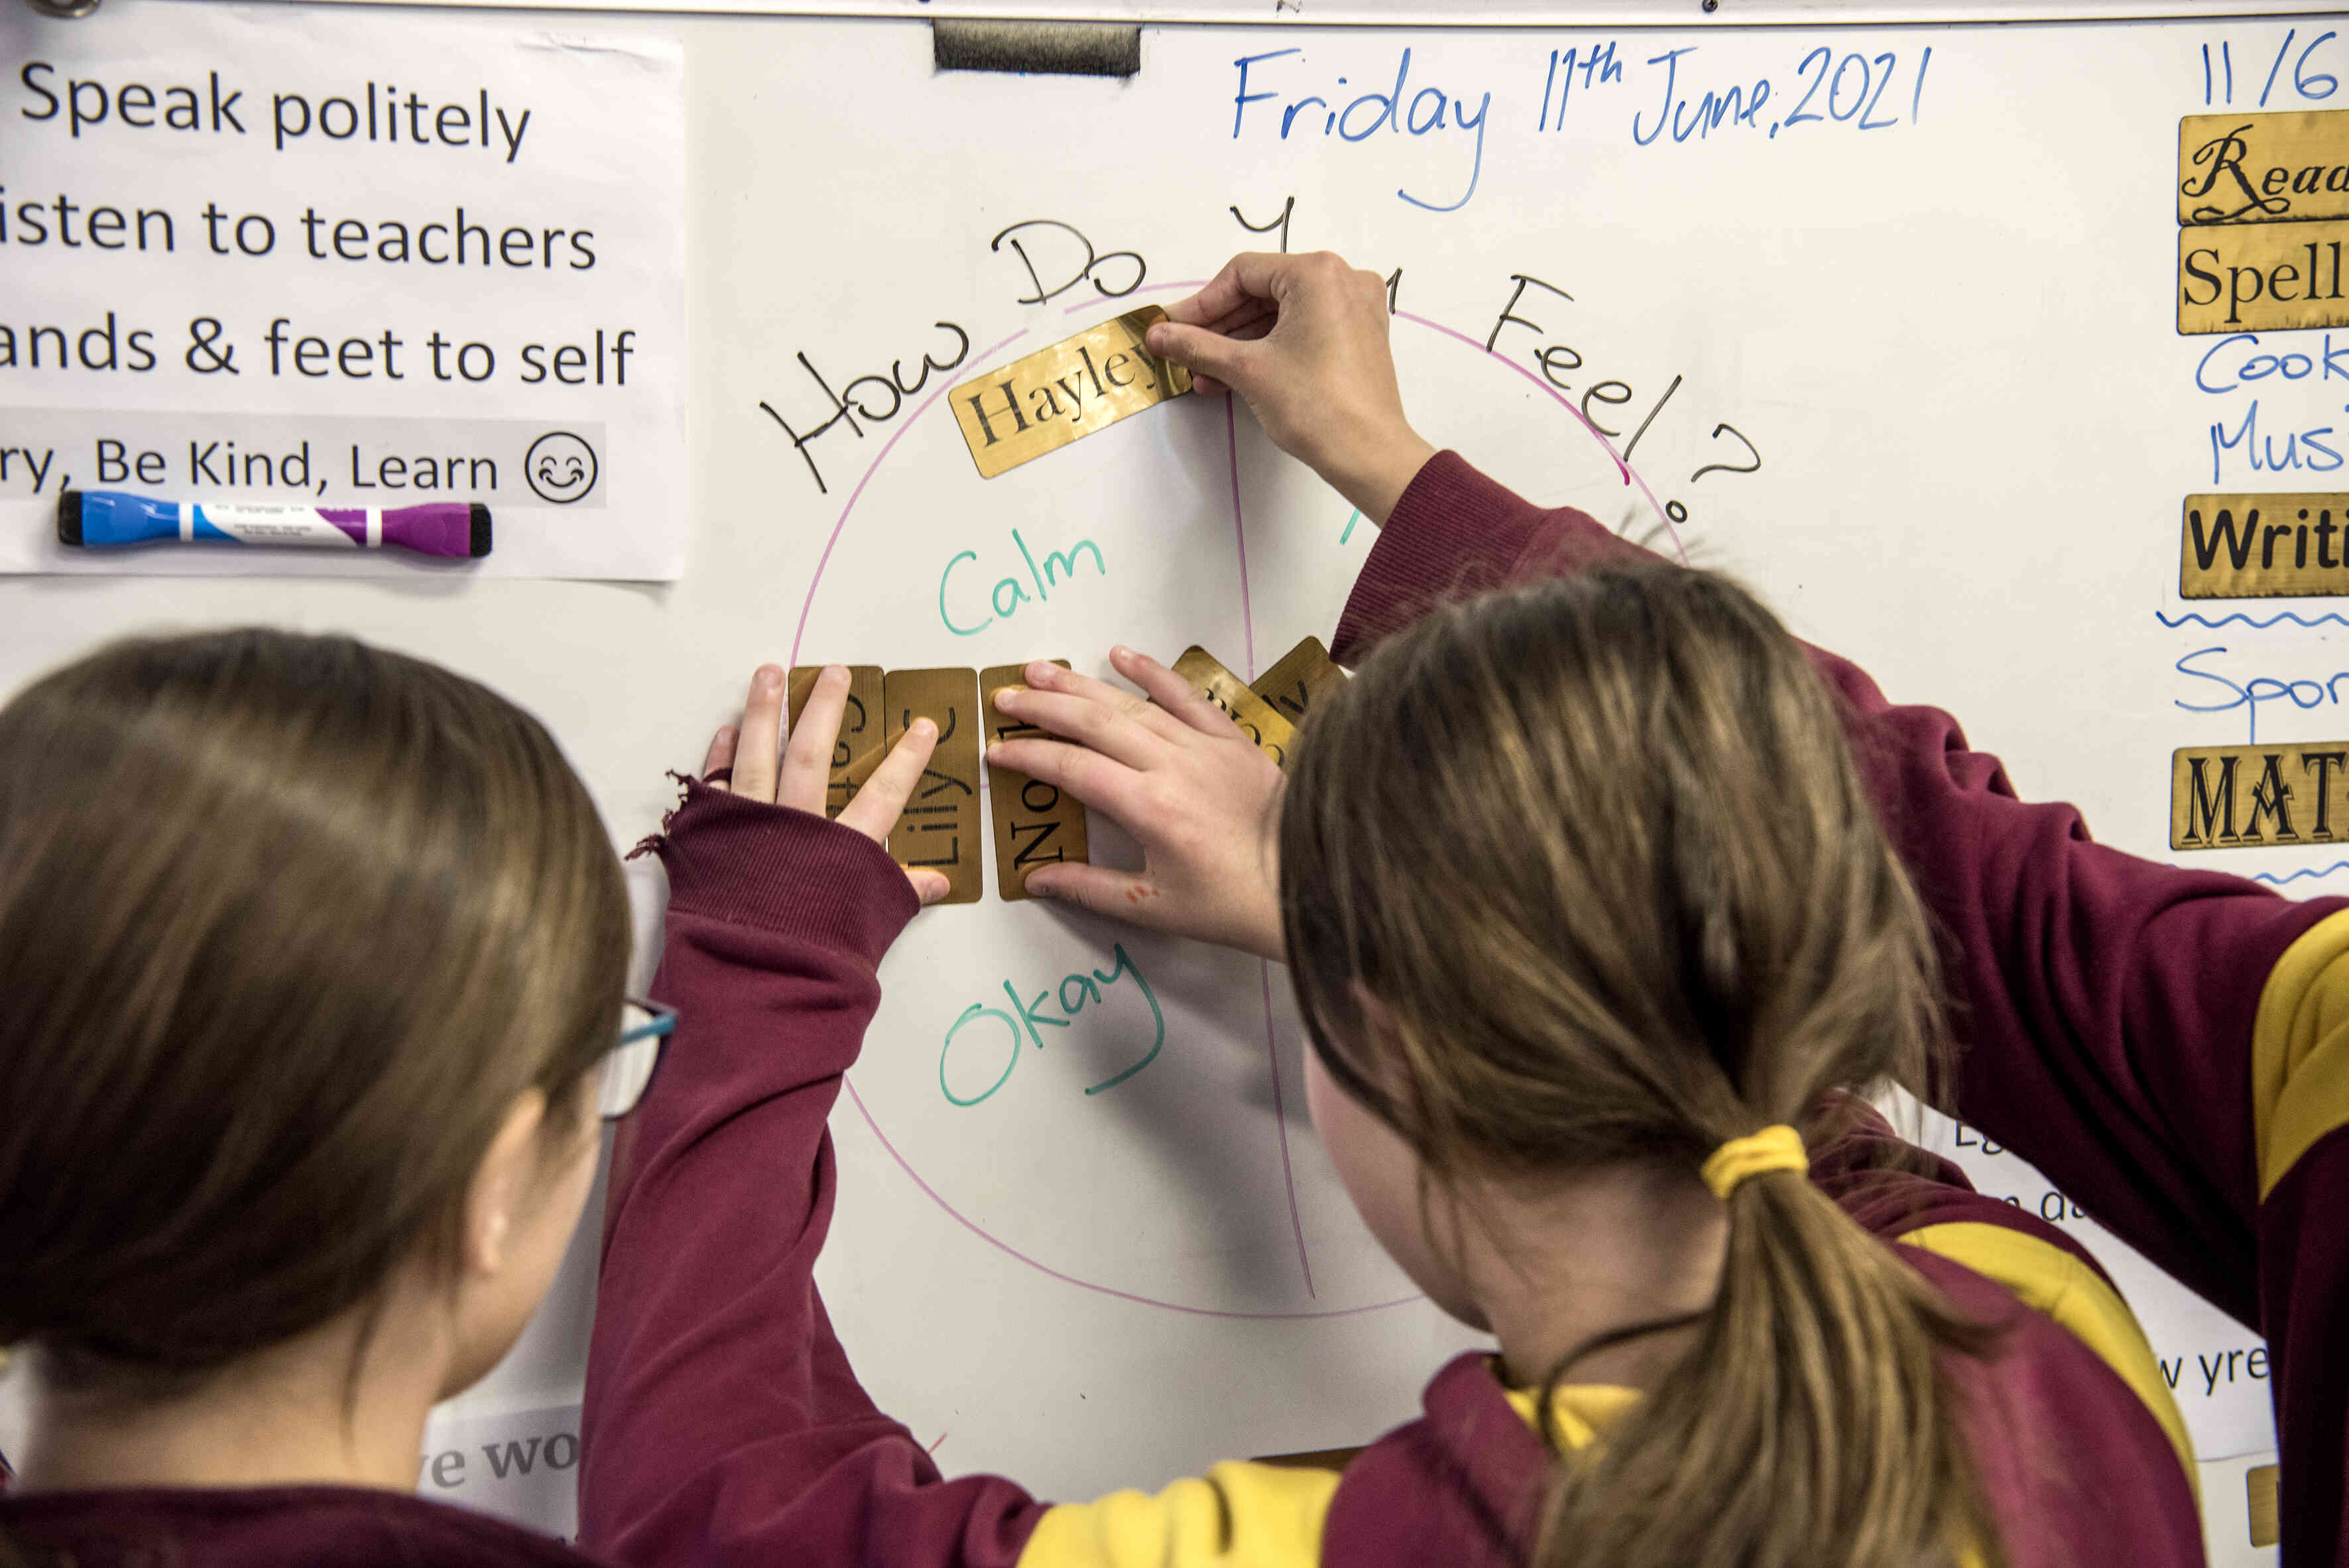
(858, 750)
(1206, 675)
(2256, 797)
(1061, 394)
(939, 827)
(2263, 168)
(2263, 277)
(1035, 823)
(2283, 545)
(1297, 681)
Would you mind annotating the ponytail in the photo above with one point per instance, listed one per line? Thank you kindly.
(1628, 899)
(1809, 1425)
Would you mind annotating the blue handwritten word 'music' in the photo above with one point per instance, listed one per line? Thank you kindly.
(1421, 113)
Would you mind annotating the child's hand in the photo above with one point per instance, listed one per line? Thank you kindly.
(804, 770)
(1180, 777)
(1303, 340)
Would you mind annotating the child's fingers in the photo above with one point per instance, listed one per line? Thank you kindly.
(720, 756)
(929, 886)
(1171, 693)
(1124, 894)
(1250, 318)
(1045, 676)
(876, 806)
(1245, 277)
(807, 755)
(1094, 779)
(755, 747)
(1117, 732)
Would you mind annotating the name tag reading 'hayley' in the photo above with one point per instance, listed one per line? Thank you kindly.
(1064, 392)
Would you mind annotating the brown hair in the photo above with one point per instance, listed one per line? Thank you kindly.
(286, 923)
(1628, 901)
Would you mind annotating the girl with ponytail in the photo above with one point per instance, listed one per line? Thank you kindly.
(1601, 942)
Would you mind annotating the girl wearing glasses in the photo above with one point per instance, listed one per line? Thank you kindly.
(311, 959)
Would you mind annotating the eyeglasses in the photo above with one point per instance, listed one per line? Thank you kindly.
(644, 1030)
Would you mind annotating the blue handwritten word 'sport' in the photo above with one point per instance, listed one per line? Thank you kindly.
(2301, 693)
(1010, 593)
(1396, 112)
(1023, 1026)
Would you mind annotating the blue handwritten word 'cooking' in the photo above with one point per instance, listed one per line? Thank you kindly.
(1421, 113)
(1076, 992)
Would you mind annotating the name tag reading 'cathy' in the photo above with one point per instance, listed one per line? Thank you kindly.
(1064, 392)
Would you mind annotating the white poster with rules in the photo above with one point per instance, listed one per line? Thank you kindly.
(339, 258)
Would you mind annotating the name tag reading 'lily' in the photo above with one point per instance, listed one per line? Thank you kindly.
(1064, 392)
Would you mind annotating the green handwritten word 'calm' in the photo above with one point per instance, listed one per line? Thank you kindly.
(1076, 992)
(1010, 593)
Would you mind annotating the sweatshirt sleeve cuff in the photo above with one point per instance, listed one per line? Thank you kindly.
(1453, 534)
(784, 870)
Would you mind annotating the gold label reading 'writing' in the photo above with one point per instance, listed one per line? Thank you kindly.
(2290, 544)
(2263, 168)
(1043, 402)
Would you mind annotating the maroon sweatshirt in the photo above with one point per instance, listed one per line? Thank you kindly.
(2170, 1046)
(724, 1424)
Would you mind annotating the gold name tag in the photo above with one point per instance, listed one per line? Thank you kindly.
(1206, 675)
(1035, 823)
(1064, 392)
(858, 750)
(2282, 545)
(2262, 1499)
(2254, 797)
(1293, 684)
(2263, 277)
(2263, 168)
(939, 827)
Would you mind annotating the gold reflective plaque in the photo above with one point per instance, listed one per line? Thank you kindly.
(1035, 823)
(940, 826)
(1064, 392)
(2261, 277)
(2258, 796)
(858, 750)
(2260, 1482)
(2263, 168)
(1303, 673)
(1256, 717)
(2291, 545)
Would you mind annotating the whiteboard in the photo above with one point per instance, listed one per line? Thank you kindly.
(1919, 383)
(1734, 14)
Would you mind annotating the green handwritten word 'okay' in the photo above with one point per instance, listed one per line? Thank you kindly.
(1026, 1020)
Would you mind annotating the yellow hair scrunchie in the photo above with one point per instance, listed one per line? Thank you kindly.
(1759, 1153)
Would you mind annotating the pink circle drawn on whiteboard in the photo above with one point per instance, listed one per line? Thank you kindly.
(1630, 476)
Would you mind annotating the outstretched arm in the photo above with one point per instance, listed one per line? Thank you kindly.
(2107, 1005)
(723, 1424)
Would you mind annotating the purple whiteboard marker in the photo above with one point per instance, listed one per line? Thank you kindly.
(100, 519)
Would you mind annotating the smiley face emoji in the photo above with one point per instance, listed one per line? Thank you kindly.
(561, 468)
